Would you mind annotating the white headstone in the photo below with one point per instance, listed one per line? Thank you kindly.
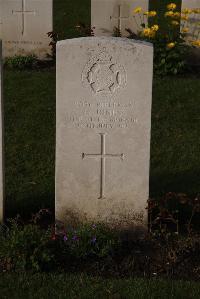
(0, 18)
(104, 90)
(25, 27)
(194, 19)
(106, 15)
(1, 142)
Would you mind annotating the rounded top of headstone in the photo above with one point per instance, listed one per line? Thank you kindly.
(96, 40)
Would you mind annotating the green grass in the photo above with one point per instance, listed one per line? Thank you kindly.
(81, 286)
(30, 138)
(175, 136)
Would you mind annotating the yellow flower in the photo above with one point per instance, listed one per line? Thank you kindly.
(170, 45)
(196, 43)
(187, 11)
(146, 13)
(154, 28)
(175, 23)
(152, 13)
(149, 32)
(185, 30)
(146, 31)
(184, 18)
(137, 9)
(196, 10)
(171, 6)
(152, 34)
(176, 14)
(169, 13)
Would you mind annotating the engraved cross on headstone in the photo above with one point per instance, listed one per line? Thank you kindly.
(119, 18)
(23, 13)
(102, 156)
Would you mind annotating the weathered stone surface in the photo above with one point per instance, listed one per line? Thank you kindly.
(0, 18)
(194, 19)
(1, 142)
(25, 24)
(108, 14)
(104, 88)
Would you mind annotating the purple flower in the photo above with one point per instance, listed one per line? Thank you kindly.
(75, 238)
(94, 240)
(94, 226)
(65, 238)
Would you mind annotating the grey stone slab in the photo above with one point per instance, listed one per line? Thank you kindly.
(103, 124)
(1, 142)
(194, 19)
(0, 19)
(108, 14)
(25, 24)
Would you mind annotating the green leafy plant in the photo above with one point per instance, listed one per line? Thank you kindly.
(86, 241)
(54, 36)
(21, 62)
(25, 247)
(81, 28)
(85, 30)
(168, 61)
(174, 213)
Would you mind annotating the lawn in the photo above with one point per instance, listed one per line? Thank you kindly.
(29, 103)
(81, 286)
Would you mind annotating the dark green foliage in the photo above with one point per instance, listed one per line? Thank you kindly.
(87, 241)
(21, 62)
(25, 248)
(54, 38)
(68, 14)
(169, 61)
(174, 213)
(99, 251)
(160, 7)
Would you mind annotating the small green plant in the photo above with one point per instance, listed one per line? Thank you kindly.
(174, 213)
(86, 241)
(84, 30)
(21, 62)
(25, 247)
(54, 39)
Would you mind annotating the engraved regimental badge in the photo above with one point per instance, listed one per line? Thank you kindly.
(104, 75)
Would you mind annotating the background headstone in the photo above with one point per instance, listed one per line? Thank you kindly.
(194, 19)
(25, 26)
(108, 14)
(0, 18)
(104, 89)
(1, 142)
(194, 31)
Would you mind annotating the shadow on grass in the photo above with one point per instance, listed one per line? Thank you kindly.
(29, 205)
